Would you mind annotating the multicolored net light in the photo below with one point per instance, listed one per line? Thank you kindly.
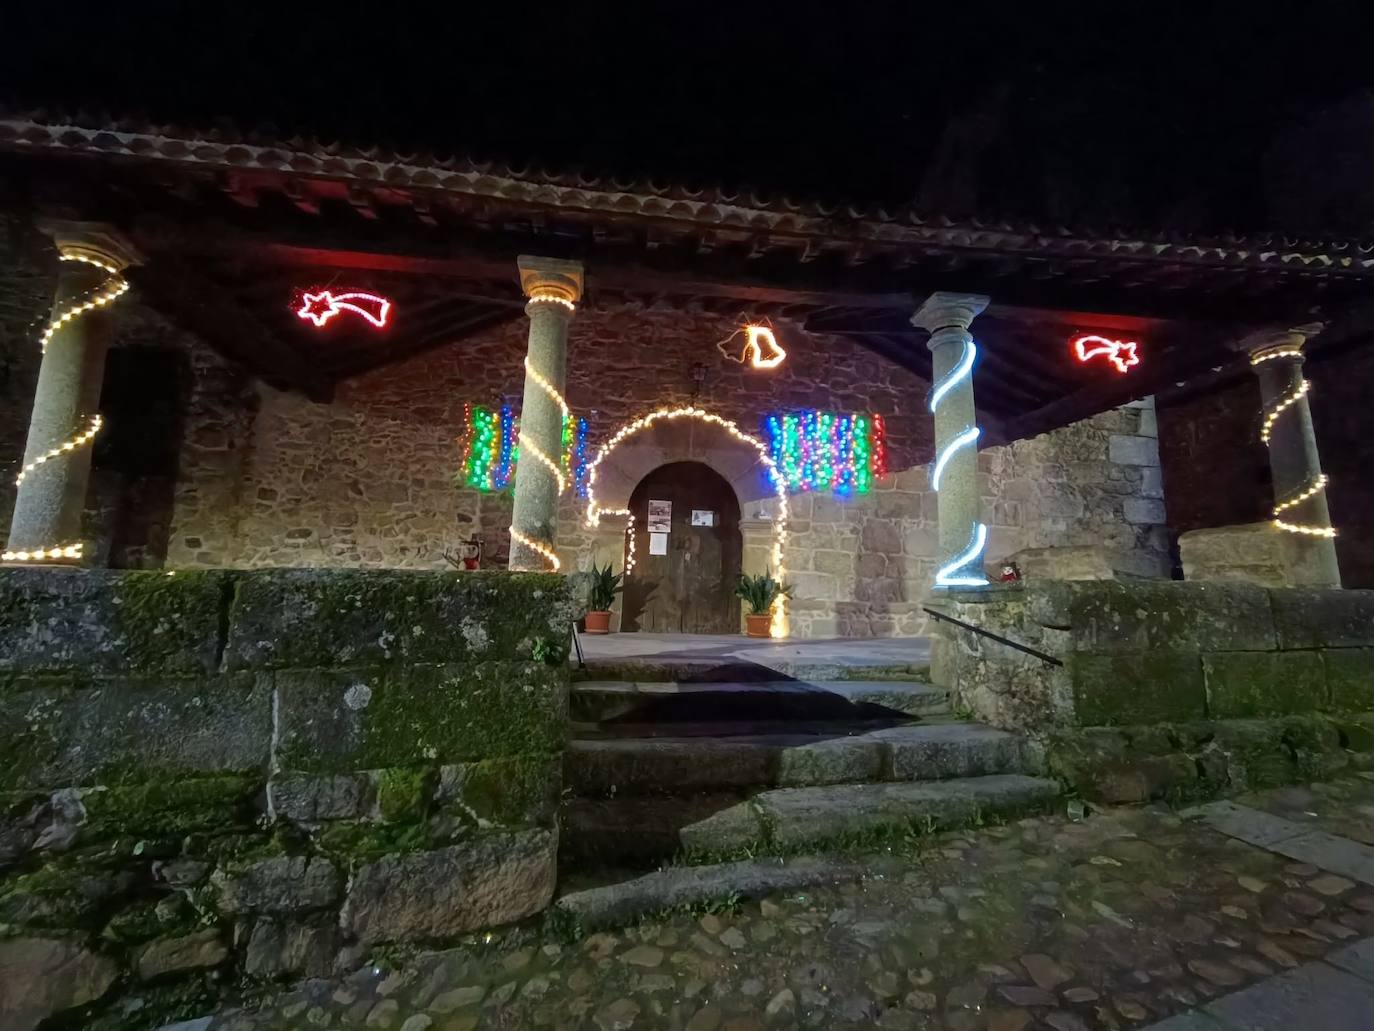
(825, 451)
(491, 450)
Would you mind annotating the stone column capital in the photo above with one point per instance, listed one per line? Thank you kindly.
(944, 310)
(551, 279)
(1277, 340)
(91, 241)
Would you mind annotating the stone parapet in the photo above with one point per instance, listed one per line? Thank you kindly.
(1157, 652)
(260, 774)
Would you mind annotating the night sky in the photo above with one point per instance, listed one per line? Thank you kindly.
(1159, 114)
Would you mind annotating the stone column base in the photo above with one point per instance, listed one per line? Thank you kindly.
(1257, 553)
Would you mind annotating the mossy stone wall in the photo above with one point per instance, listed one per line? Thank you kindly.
(1142, 652)
(217, 774)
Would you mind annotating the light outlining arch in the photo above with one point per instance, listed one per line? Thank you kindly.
(963, 569)
(778, 625)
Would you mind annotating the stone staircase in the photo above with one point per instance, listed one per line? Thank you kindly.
(713, 758)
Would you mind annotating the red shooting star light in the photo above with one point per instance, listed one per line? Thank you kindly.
(1121, 353)
(320, 307)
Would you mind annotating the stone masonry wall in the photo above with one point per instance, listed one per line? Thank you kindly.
(219, 775)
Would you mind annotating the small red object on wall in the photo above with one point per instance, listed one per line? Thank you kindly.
(1121, 353)
(322, 306)
(1010, 573)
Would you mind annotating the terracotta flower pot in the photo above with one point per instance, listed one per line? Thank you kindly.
(757, 626)
(598, 622)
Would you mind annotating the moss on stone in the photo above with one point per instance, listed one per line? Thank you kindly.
(1350, 678)
(143, 921)
(164, 618)
(339, 722)
(1151, 687)
(298, 619)
(1242, 685)
(169, 808)
(519, 789)
(351, 842)
(403, 793)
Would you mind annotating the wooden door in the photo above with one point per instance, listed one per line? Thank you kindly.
(691, 589)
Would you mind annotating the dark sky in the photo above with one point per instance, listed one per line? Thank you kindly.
(1128, 110)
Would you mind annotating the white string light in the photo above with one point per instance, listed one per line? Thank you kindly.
(92, 428)
(40, 554)
(1317, 483)
(539, 547)
(527, 444)
(954, 573)
(629, 533)
(108, 291)
(778, 626)
(552, 298)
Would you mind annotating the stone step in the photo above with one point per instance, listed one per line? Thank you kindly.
(789, 818)
(615, 767)
(596, 701)
(717, 669)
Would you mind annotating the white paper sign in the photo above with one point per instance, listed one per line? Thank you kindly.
(701, 517)
(658, 544)
(660, 519)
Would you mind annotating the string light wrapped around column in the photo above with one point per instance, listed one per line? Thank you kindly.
(1272, 413)
(956, 572)
(111, 289)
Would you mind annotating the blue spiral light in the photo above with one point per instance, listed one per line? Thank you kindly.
(957, 573)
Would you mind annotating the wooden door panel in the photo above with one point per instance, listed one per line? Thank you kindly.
(691, 588)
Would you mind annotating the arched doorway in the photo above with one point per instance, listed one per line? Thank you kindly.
(691, 588)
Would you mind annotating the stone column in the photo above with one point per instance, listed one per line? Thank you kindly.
(46, 526)
(554, 287)
(1300, 509)
(947, 316)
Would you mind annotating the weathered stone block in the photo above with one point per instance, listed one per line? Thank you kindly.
(1143, 511)
(104, 621)
(1124, 450)
(836, 761)
(282, 884)
(59, 734)
(200, 950)
(515, 790)
(483, 882)
(338, 721)
(1149, 687)
(304, 618)
(311, 798)
(1247, 684)
(1314, 618)
(279, 948)
(1350, 678)
(169, 807)
(43, 976)
(1110, 617)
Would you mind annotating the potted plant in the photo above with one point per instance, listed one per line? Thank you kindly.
(760, 592)
(605, 586)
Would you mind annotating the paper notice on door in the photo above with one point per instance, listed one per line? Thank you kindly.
(700, 517)
(658, 544)
(660, 519)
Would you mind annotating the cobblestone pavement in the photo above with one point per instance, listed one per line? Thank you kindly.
(1116, 921)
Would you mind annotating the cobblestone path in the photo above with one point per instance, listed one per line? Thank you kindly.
(1115, 921)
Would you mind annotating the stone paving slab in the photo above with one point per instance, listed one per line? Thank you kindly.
(1106, 924)
(1339, 855)
(1357, 959)
(1313, 996)
(1250, 825)
(1344, 807)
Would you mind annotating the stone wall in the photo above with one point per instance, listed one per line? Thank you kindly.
(1156, 652)
(265, 774)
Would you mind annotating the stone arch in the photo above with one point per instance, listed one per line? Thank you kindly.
(690, 434)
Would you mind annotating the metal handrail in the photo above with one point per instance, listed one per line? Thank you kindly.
(996, 637)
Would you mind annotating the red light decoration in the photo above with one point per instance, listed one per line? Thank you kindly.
(320, 307)
(1121, 353)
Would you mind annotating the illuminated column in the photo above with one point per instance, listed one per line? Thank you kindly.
(554, 287)
(46, 526)
(954, 475)
(1286, 428)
